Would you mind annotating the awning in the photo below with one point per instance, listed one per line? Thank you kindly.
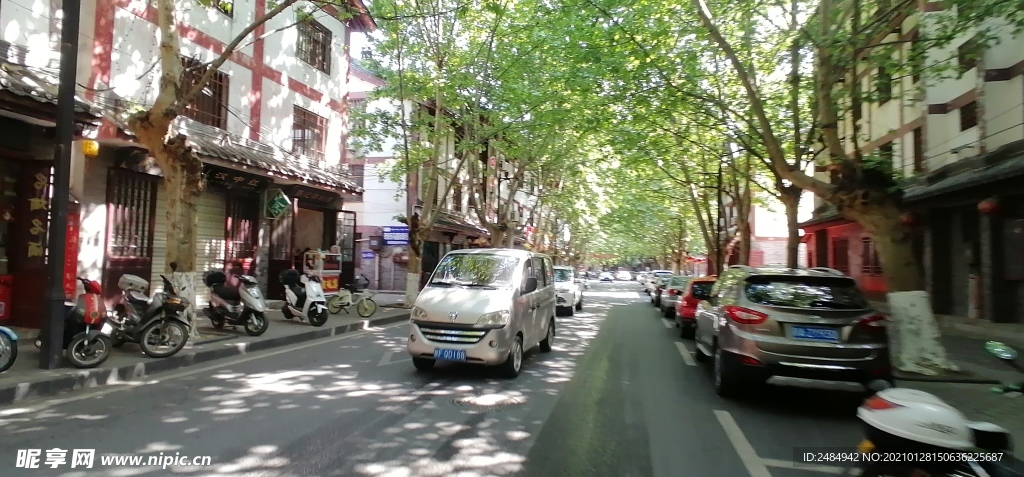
(19, 80)
(1002, 164)
(458, 224)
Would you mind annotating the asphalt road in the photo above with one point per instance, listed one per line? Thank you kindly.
(619, 396)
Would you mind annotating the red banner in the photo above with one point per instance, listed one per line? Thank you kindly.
(71, 252)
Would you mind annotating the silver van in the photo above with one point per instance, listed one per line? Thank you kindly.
(484, 306)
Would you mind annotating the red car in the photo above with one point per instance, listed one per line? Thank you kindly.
(698, 289)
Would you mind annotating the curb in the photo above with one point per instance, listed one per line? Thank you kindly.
(90, 378)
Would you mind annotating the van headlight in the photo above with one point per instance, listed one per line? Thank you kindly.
(418, 313)
(499, 318)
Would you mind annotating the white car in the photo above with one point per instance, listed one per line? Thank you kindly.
(654, 279)
(568, 291)
(624, 276)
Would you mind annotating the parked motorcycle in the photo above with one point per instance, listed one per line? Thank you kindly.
(233, 306)
(904, 422)
(150, 321)
(87, 330)
(304, 297)
(356, 295)
(8, 348)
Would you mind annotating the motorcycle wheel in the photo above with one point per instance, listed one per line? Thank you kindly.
(217, 324)
(83, 353)
(155, 330)
(366, 308)
(256, 324)
(318, 319)
(117, 340)
(334, 305)
(8, 352)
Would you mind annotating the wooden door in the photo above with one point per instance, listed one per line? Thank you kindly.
(240, 235)
(346, 230)
(131, 219)
(282, 256)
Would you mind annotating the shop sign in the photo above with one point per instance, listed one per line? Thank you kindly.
(395, 236)
(71, 251)
(230, 179)
(277, 203)
(38, 211)
(313, 195)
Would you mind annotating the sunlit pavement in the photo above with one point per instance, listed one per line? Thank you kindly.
(619, 396)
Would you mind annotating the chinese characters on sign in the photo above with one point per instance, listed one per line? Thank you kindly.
(277, 204)
(71, 251)
(33, 458)
(233, 179)
(38, 205)
(314, 196)
(395, 236)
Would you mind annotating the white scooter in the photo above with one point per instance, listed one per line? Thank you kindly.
(233, 306)
(904, 422)
(304, 297)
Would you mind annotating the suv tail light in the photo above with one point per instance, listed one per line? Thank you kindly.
(874, 322)
(672, 291)
(744, 316)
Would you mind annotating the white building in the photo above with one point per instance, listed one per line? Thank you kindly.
(272, 121)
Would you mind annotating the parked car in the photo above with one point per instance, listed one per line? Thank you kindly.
(696, 290)
(607, 277)
(651, 283)
(623, 275)
(674, 287)
(484, 306)
(776, 324)
(569, 291)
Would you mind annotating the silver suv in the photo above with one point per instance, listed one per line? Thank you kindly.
(804, 327)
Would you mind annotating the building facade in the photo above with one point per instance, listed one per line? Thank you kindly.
(958, 142)
(270, 125)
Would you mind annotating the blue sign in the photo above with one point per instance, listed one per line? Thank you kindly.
(395, 235)
(368, 254)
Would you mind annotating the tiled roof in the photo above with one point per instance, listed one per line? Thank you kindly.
(1004, 163)
(824, 213)
(453, 221)
(36, 82)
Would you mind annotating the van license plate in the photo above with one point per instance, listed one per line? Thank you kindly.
(450, 354)
(811, 333)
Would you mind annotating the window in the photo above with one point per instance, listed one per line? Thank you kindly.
(833, 176)
(919, 150)
(831, 293)
(883, 85)
(886, 152)
(969, 115)
(915, 55)
(968, 54)
(210, 106)
(356, 114)
(314, 45)
(309, 132)
(357, 171)
(869, 264)
(457, 197)
(841, 254)
(472, 270)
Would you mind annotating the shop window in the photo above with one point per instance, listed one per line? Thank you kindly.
(309, 132)
(870, 265)
(314, 46)
(210, 107)
(841, 254)
(969, 115)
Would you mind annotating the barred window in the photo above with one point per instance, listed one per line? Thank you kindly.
(309, 132)
(841, 254)
(314, 46)
(210, 106)
(869, 265)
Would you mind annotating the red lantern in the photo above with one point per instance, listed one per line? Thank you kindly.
(989, 206)
(908, 219)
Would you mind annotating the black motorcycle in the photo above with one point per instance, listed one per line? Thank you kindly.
(150, 321)
(87, 331)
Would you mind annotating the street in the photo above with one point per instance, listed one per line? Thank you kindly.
(620, 395)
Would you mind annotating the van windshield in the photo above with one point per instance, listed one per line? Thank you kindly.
(563, 275)
(471, 270)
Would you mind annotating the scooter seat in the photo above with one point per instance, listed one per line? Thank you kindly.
(227, 293)
(137, 297)
(300, 296)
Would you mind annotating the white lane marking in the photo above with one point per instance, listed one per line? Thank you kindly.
(389, 358)
(786, 464)
(754, 464)
(190, 371)
(668, 324)
(686, 354)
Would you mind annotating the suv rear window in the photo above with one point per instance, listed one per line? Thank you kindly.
(805, 292)
(701, 287)
(678, 281)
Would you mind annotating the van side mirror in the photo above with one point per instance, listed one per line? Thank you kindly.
(531, 285)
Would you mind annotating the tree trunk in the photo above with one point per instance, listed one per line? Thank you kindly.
(791, 202)
(915, 339)
(414, 269)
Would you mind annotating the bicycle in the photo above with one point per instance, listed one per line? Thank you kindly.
(350, 295)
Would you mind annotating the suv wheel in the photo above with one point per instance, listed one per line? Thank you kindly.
(726, 379)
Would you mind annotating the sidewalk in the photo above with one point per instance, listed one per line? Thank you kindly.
(25, 380)
(964, 340)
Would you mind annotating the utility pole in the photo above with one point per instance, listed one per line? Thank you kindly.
(53, 346)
